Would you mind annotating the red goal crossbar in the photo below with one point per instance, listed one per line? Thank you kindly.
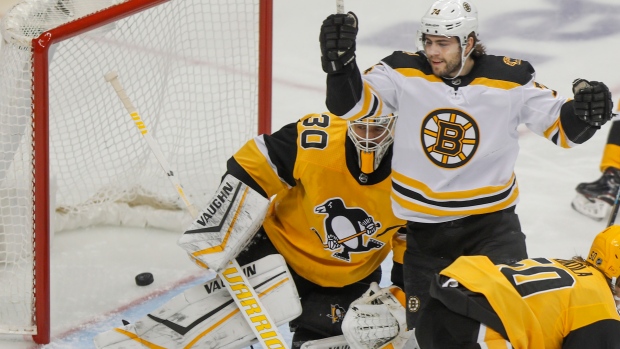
(41, 46)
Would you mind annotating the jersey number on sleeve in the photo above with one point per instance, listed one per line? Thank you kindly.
(315, 137)
(530, 277)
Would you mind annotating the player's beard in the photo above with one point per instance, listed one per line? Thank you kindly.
(452, 64)
(450, 69)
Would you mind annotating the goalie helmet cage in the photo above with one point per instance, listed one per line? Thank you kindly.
(198, 71)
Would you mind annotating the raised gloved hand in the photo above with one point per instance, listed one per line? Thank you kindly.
(592, 102)
(337, 39)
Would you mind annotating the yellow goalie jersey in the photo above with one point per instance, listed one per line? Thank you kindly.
(542, 303)
(333, 224)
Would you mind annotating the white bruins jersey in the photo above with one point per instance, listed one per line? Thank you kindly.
(333, 225)
(456, 141)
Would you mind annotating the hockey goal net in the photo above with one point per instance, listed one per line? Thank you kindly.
(198, 71)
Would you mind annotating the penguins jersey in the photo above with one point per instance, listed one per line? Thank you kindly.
(542, 303)
(456, 141)
(333, 224)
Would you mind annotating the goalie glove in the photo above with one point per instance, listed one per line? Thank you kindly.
(592, 103)
(377, 319)
(337, 40)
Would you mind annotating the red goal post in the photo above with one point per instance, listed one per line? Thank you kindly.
(199, 71)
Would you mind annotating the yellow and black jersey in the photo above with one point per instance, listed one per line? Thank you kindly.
(333, 224)
(536, 303)
(456, 140)
(611, 153)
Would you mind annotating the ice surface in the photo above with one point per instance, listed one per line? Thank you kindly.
(93, 269)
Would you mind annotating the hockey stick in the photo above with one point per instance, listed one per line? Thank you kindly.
(112, 78)
(339, 6)
(242, 292)
(339, 10)
(614, 209)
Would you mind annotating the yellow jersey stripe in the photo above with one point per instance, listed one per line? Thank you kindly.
(493, 83)
(370, 100)
(500, 84)
(415, 185)
(443, 211)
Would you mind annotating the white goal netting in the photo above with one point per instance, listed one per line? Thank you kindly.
(191, 69)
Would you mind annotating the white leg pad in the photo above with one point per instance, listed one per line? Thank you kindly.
(206, 316)
(336, 342)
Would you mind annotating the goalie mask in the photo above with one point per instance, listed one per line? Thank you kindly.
(605, 252)
(450, 18)
(372, 137)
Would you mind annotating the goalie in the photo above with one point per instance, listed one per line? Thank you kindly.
(330, 219)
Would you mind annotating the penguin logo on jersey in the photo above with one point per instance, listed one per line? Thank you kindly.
(450, 137)
(345, 229)
(337, 313)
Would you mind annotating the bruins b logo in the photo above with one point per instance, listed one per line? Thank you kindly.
(449, 137)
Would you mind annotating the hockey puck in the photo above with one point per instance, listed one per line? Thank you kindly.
(144, 279)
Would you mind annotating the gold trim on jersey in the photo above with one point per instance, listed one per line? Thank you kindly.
(554, 129)
(417, 73)
(493, 83)
(611, 157)
(463, 212)
(373, 105)
(473, 201)
(451, 195)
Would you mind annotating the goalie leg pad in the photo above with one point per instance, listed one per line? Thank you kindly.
(226, 226)
(336, 342)
(206, 316)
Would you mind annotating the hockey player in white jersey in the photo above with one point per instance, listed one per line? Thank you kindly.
(456, 139)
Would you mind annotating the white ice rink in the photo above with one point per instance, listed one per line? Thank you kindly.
(93, 270)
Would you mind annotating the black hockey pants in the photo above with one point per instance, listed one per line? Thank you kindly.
(432, 247)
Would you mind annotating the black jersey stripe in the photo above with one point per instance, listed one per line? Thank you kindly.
(415, 196)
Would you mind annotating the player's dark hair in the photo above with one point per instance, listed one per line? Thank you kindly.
(479, 49)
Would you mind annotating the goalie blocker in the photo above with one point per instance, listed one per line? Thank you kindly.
(206, 316)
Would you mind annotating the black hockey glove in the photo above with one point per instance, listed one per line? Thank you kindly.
(337, 39)
(592, 102)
